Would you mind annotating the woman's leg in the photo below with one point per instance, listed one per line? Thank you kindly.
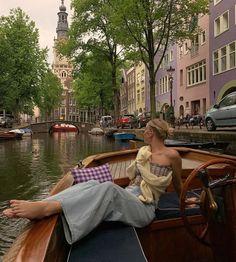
(39, 209)
(86, 209)
(32, 210)
(84, 206)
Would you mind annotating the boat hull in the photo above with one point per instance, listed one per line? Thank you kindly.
(124, 136)
(10, 136)
(162, 240)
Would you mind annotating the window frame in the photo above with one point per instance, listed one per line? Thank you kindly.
(195, 72)
(220, 18)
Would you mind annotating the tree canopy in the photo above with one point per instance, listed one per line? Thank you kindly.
(50, 94)
(22, 61)
(92, 31)
(148, 27)
(92, 85)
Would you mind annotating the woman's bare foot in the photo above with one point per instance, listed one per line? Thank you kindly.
(32, 210)
(9, 213)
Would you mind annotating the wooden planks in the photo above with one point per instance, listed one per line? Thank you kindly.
(118, 169)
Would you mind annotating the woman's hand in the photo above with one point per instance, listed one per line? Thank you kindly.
(192, 202)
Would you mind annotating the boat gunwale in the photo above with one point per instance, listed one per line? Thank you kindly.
(40, 246)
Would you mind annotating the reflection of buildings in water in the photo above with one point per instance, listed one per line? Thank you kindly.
(35, 149)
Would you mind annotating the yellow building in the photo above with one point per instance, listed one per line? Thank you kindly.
(140, 87)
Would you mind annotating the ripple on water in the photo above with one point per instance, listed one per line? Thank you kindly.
(12, 228)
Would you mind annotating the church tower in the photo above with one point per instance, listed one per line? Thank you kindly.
(63, 69)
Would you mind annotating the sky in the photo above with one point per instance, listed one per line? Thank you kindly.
(43, 13)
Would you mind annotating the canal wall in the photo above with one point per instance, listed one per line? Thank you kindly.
(197, 134)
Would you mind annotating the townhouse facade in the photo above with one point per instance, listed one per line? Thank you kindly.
(205, 67)
(131, 90)
(166, 91)
(222, 49)
(192, 95)
(140, 87)
(123, 93)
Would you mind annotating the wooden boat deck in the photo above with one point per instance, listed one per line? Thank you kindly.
(46, 242)
(118, 169)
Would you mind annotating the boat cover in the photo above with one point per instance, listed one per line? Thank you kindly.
(110, 242)
(168, 205)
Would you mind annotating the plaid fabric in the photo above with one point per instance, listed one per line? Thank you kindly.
(100, 173)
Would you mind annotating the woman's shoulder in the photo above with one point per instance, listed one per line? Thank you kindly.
(173, 153)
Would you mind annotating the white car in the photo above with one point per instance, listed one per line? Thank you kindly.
(106, 121)
(222, 114)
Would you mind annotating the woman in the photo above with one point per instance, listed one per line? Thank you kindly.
(84, 206)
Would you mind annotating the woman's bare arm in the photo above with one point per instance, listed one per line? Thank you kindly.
(177, 169)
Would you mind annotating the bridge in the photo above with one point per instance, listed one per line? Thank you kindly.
(45, 127)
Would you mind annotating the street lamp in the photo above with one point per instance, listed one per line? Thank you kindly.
(170, 72)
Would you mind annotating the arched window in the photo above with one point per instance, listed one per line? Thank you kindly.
(63, 74)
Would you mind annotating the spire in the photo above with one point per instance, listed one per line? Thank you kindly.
(62, 24)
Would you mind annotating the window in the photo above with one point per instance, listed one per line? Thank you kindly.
(216, 2)
(196, 73)
(221, 23)
(232, 61)
(63, 74)
(142, 95)
(224, 58)
(181, 50)
(203, 37)
(186, 49)
(195, 45)
(171, 55)
(163, 85)
(138, 78)
(138, 96)
(181, 77)
(235, 13)
(215, 63)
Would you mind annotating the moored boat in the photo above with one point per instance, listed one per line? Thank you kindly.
(124, 136)
(164, 239)
(10, 135)
(96, 131)
(63, 128)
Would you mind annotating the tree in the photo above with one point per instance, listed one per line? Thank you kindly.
(92, 85)
(50, 94)
(148, 27)
(22, 62)
(90, 31)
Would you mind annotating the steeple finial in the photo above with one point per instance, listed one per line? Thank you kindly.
(62, 25)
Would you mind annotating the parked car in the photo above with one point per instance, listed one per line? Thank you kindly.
(127, 120)
(106, 121)
(222, 114)
(6, 121)
(143, 119)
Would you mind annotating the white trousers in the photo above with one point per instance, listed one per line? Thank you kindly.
(86, 205)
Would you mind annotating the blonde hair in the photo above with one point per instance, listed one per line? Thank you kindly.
(160, 127)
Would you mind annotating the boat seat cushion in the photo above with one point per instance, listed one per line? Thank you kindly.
(110, 241)
(100, 173)
(168, 205)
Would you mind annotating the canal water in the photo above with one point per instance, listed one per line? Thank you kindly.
(31, 166)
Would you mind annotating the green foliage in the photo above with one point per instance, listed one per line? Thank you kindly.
(148, 27)
(50, 93)
(92, 85)
(22, 62)
(91, 31)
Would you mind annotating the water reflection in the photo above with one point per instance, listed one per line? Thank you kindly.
(29, 168)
